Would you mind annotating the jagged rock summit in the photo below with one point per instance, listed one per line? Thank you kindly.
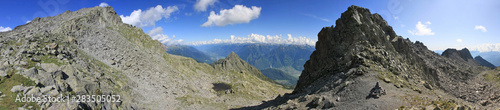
(361, 50)
(92, 52)
(463, 54)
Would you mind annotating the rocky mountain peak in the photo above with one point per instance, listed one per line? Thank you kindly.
(345, 45)
(233, 55)
(463, 54)
(484, 62)
(234, 63)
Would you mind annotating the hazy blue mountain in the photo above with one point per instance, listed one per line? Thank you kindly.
(483, 62)
(189, 51)
(492, 57)
(263, 55)
(440, 52)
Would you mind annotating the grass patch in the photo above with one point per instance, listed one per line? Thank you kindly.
(49, 59)
(444, 105)
(6, 83)
(137, 36)
(29, 65)
(493, 76)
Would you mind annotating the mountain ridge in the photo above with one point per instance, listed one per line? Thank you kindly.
(92, 52)
(483, 62)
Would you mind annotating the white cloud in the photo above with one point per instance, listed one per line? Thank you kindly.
(422, 29)
(103, 4)
(256, 38)
(396, 17)
(480, 27)
(3, 29)
(28, 21)
(157, 34)
(459, 40)
(487, 47)
(238, 14)
(202, 5)
(149, 17)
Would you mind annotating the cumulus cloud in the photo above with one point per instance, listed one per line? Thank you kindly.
(202, 5)
(421, 29)
(487, 47)
(480, 27)
(256, 38)
(238, 14)
(459, 40)
(157, 34)
(103, 4)
(3, 29)
(149, 17)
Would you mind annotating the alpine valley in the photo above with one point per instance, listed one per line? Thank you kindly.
(282, 63)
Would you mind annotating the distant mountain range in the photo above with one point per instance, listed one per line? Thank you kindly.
(492, 56)
(189, 51)
(282, 63)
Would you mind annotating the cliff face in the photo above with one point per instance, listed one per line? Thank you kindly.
(363, 51)
(91, 52)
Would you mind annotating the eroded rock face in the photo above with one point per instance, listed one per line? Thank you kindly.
(338, 48)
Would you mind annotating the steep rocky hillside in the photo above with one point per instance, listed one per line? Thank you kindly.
(360, 63)
(280, 76)
(91, 52)
(234, 63)
(483, 62)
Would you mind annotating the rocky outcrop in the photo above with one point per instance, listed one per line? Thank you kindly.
(376, 91)
(361, 50)
(483, 62)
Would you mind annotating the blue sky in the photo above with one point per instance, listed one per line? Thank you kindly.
(438, 24)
